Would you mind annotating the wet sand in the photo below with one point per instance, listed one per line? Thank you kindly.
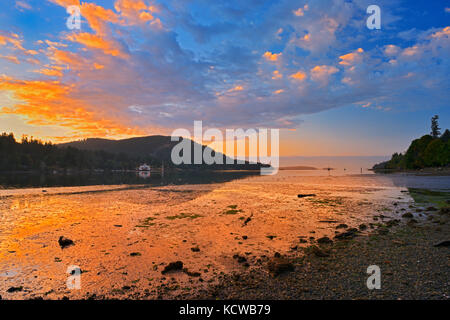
(124, 238)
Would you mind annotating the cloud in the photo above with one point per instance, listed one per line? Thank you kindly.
(299, 75)
(220, 65)
(300, 12)
(351, 58)
(277, 75)
(11, 39)
(391, 50)
(97, 42)
(269, 56)
(50, 103)
(441, 34)
(321, 73)
(12, 59)
(22, 5)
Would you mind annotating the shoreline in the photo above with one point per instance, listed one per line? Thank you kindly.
(411, 268)
(419, 172)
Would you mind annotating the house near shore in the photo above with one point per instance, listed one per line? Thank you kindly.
(144, 167)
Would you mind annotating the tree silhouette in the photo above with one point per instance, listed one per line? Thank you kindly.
(435, 130)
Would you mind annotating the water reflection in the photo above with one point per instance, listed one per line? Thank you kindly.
(33, 180)
(144, 174)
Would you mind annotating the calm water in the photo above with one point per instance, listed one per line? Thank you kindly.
(35, 180)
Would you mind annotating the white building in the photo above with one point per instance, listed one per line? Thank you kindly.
(144, 167)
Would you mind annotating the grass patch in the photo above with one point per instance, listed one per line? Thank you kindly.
(232, 209)
(146, 223)
(184, 216)
(425, 196)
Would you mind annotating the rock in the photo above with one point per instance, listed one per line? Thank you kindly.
(324, 240)
(407, 215)
(350, 234)
(445, 210)
(342, 226)
(191, 274)
(14, 289)
(271, 237)
(244, 237)
(303, 241)
(278, 265)
(195, 249)
(383, 231)
(173, 266)
(319, 252)
(240, 259)
(306, 195)
(445, 243)
(362, 227)
(431, 209)
(65, 242)
(135, 254)
(393, 222)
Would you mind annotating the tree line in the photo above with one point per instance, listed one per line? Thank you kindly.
(431, 150)
(34, 154)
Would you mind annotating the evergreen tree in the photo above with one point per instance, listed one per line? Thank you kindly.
(435, 130)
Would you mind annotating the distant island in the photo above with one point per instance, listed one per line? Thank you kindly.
(430, 151)
(298, 168)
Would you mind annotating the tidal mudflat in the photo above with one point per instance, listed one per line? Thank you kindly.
(247, 238)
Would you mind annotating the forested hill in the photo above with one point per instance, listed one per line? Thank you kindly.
(426, 152)
(126, 154)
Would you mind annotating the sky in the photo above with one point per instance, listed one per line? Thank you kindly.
(313, 69)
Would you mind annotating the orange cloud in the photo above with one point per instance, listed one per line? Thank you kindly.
(321, 73)
(98, 66)
(410, 51)
(300, 12)
(137, 11)
(271, 56)
(391, 49)
(441, 34)
(97, 42)
(277, 75)
(236, 88)
(50, 72)
(50, 103)
(12, 39)
(298, 76)
(351, 58)
(97, 17)
(12, 59)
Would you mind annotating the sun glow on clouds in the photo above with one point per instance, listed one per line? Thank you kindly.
(173, 66)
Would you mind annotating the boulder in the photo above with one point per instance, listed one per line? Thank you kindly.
(173, 266)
